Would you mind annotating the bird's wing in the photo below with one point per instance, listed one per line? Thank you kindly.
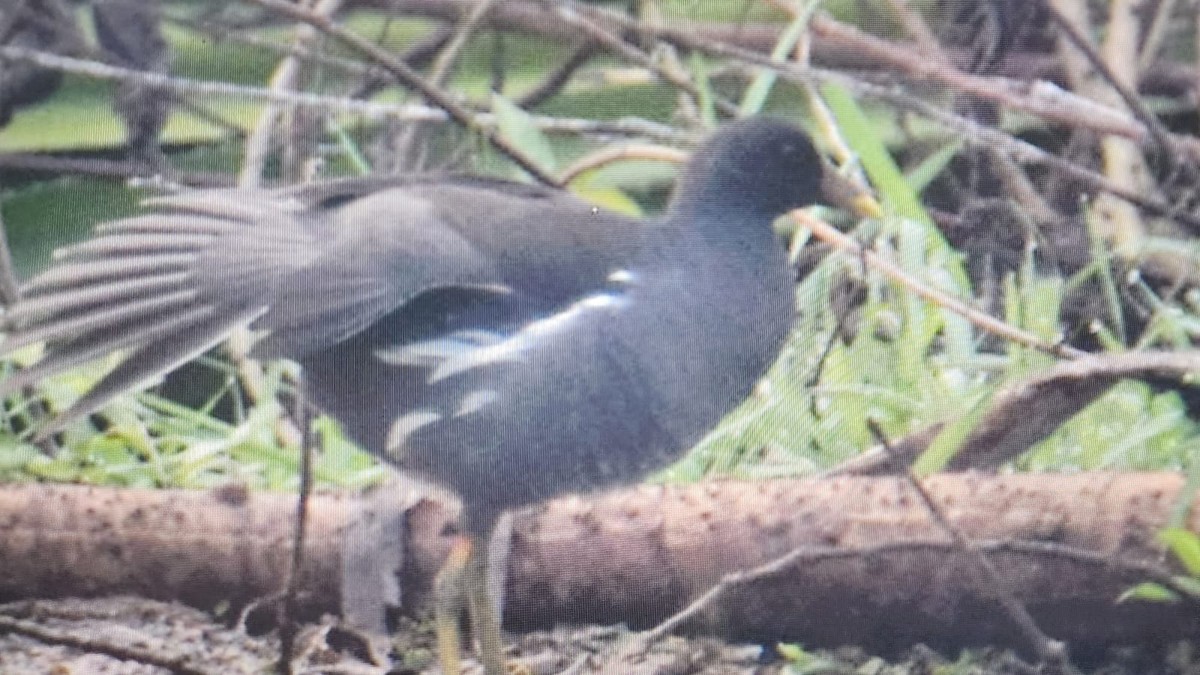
(414, 235)
(306, 268)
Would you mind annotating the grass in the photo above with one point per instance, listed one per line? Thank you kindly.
(891, 357)
(903, 362)
(908, 365)
(888, 357)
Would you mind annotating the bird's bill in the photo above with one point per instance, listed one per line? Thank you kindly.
(844, 193)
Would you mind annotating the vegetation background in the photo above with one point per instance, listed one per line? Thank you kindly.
(1037, 161)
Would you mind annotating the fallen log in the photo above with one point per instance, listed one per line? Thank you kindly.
(849, 560)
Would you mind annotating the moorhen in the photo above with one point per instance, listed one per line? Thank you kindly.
(507, 341)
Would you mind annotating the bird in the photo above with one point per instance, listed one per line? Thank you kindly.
(507, 341)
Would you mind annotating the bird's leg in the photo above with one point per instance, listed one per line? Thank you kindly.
(485, 620)
(462, 583)
(449, 604)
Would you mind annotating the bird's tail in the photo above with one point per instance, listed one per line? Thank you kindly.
(133, 288)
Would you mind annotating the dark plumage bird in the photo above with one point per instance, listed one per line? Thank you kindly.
(507, 341)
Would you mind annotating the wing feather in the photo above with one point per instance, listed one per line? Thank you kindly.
(148, 362)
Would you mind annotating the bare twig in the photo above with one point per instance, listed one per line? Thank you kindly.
(972, 132)
(983, 320)
(937, 548)
(302, 417)
(8, 276)
(1062, 107)
(916, 28)
(408, 112)
(567, 13)
(179, 665)
(443, 66)
(1156, 131)
(286, 74)
(559, 77)
(210, 88)
(1156, 31)
(1048, 650)
(412, 79)
(610, 155)
(1040, 98)
(1014, 179)
(445, 62)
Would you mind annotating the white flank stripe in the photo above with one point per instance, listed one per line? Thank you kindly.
(476, 401)
(514, 348)
(430, 353)
(403, 427)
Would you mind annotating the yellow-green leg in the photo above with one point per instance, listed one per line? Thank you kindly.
(484, 621)
(462, 582)
(449, 604)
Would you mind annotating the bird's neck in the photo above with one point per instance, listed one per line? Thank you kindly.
(710, 206)
(720, 241)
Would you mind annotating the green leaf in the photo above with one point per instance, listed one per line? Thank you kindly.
(801, 662)
(609, 198)
(1185, 545)
(949, 441)
(885, 175)
(350, 149)
(932, 166)
(791, 652)
(897, 193)
(518, 128)
(16, 454)
(759, 89)
(1149, 592)
(706, 99)
(1188, 585)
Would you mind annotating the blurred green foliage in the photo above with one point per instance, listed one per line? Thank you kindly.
(898, 360)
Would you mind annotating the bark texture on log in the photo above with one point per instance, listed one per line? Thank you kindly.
(616, 558)
(201, 548)
(870, 566)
